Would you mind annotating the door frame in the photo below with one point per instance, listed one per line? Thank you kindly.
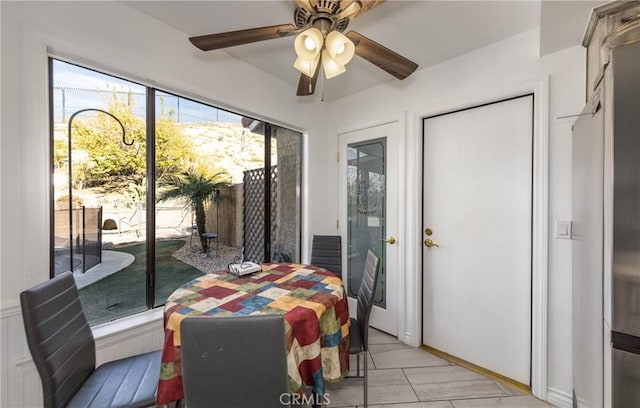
(540, 220)
(529, 100)
(400, 120)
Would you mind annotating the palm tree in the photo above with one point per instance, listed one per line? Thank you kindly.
(195, 188)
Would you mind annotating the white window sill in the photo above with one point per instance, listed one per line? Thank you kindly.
(112, 333)
(126, 324)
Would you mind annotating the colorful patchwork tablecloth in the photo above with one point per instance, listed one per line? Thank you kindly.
(315, 309)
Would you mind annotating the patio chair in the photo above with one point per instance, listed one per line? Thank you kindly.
(359, 327)
(63, 349)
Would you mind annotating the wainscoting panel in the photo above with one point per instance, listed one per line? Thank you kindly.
(20, 385)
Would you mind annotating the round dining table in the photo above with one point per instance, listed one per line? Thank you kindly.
(311, 299)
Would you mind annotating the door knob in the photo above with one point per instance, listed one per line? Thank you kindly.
(430, 244)
(391, 240)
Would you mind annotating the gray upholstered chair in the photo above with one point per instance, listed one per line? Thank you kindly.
(359, 327)
(234, 361)
(326, 252)
(63, 349)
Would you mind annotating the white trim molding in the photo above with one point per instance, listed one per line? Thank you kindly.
(411, 333)
(540, 241)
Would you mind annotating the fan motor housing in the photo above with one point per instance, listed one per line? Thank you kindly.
(325, 10)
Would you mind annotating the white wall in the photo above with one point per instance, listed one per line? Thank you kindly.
(117, 39)
(500, 70)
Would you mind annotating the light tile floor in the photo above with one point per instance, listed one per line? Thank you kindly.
(404, 377)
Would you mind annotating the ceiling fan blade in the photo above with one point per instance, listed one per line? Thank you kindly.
(367, 5)
(306, 85)
(382, 57)
(229, 39)
(305, 4)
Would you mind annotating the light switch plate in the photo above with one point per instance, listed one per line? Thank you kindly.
(563, 229)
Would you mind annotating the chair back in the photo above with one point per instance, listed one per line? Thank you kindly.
(326, 252)
(234, 361)
(59, 338)
(366, 293)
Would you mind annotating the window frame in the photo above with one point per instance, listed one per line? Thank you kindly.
(150, 137)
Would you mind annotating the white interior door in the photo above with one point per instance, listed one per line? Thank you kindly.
(368, 174)
(478, 212)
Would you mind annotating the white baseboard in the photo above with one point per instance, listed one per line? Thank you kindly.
(559, 399)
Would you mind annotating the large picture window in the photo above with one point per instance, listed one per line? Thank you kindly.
(151, 190)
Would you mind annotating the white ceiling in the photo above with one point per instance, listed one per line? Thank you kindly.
(427, 32)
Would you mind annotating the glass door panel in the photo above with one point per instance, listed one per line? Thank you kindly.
(99, 225)
(185, 182)
(366, 211)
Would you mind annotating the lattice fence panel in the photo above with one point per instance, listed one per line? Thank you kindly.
(253, 212)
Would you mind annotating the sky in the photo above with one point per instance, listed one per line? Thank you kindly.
(78, 88)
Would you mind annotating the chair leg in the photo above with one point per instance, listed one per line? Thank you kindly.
(366, 385)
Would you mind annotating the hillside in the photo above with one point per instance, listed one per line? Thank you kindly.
(228, 146)
(225, 146)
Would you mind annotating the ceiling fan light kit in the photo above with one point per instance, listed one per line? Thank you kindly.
(340, 47)
(308, 43)
(307, 66)
(319, 27)
(330, 66)
(337, 51)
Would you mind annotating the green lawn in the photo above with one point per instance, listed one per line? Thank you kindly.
(123, 293)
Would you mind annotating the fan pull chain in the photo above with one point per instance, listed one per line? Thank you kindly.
(321, 74)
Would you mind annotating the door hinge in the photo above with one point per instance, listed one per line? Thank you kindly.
(338, 157)
(337, 224)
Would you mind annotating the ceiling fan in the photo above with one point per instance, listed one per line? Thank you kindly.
(319, 25)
